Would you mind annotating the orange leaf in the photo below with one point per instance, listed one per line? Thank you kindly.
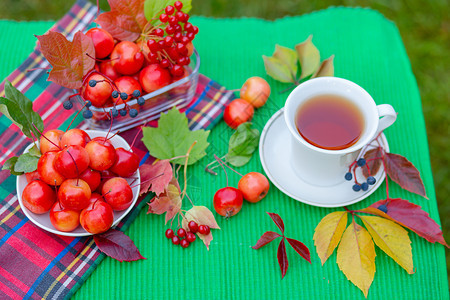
(161, 171)
(168, 202)
(69, 60)
(356, 257)
(126, 20)
(328, 233)
(202, 216)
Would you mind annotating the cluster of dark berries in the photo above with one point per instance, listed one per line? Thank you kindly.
(169, 47)
(183, 238)
(364, 186)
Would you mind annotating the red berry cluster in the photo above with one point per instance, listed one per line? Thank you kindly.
(183, 238)
(169, 47)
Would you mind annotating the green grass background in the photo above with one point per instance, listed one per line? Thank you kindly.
(424, 27)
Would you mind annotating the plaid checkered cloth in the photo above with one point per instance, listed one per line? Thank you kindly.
(35, 263)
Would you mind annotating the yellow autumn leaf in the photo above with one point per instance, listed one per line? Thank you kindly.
(326, 68)
(392, 239)
(328, 233)
(356, 257)
(309, 57)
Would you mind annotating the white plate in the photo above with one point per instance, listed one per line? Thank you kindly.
(43, 221)
(274, 151)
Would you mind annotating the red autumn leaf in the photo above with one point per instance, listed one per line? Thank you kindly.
(266, 238)
(411, 216)
(126, 20)
(117, 245)
(300, 248)
(282, 258)
(168, 202)
(375, 164)
(403, 172)
(277, 219)
(69, 59)
(161, 171)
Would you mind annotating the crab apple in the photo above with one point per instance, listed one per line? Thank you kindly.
(38, 197)
(98, 94)
(74, 194)
(74, 136)
(108, 70)
(254, 186)
(102, 154)
(51, 140)
(228, 201)
(47, 171)
(237, 112)
(126, 163)
(71, 161)
(255, 91)
(32, 176)
(92, 178)
(154, 77)
(118, 193)
(97, 217)
(64, 219)
(127, 84)
(103, 42)
(127, 58)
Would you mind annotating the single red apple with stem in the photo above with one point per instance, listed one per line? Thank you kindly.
(38, 197)
(118, 193)
(64, 219)
(50, 140)
(47, 171)
(102, 154)
(71, 161)
(74, 137)
(126, 163)
(98, 216)
(74, 194)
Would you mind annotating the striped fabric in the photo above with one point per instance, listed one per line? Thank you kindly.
(34, 263)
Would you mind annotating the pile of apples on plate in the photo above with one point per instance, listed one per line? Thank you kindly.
(80, 180)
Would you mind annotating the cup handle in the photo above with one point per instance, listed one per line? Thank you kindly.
(388, 116)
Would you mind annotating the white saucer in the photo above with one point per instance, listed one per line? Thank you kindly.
(274, 151)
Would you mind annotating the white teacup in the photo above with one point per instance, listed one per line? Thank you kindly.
(324, 167)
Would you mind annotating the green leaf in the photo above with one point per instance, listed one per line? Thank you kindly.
(278, 70)
(154, 8)
(173, 138)
(34, 151)
(242, 145)
(10, 164)
(309, 57)
(19, 109)
(26, 163)
(288, 57)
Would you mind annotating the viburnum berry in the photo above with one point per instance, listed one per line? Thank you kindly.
(356, 187)
(169, 10)
(87, 114)
(159, 32)
(169, 233)
(115, 94)
(383, 208)
(371, 180)
(179, 15)
(190, 237)
(153, 57)
(92, 83)
(181, 61)
(123, 112)
(181, 232)
(152, 45)
(348, 176)
(361, 162)
(177, 70)
(136, 93)
(185, 40)
(193, 226)
(161, 44)
(141, 101)
(175, 240)
(178, 5)
(181, 48)
(204, 229)
(133, 113)
(165, 63)
(190, 36)
(67, 105)
(163, 18)
(168, 40)
(173, 20)
(184, 243)
(195, 30)
(177, 36)
(189, 27)
(170, 29)
(177, 28)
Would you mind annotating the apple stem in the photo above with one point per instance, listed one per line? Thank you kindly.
(223, 168)
(226, 165)
(46, 137)
(135, 137)
(78, 172)
(153, 178)
(185, 169)
(76, 116)
(109, 130)
(117, 132)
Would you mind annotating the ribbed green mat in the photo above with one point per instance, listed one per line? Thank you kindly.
(369, 51)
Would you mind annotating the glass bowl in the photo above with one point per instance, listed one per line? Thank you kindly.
(179, 93)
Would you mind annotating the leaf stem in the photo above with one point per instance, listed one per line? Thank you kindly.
(226, 165)
(226, 175)
(185, 169)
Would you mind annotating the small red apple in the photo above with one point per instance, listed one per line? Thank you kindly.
(98, 216)
(74, 194)
(64, 219)
(38, 197)
(117, 193)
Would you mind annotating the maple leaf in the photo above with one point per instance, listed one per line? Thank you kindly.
(172, 138)
(411, 216)
(202, 216)
(373, 164)
(356, 257)
(126, 20)
(168, 202)
(403, 172)
(117, 245)
(328, 233)
(161, 171)
(70, 60)
(392, 239)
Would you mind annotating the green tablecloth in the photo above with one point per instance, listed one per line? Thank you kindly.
(369, 51)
